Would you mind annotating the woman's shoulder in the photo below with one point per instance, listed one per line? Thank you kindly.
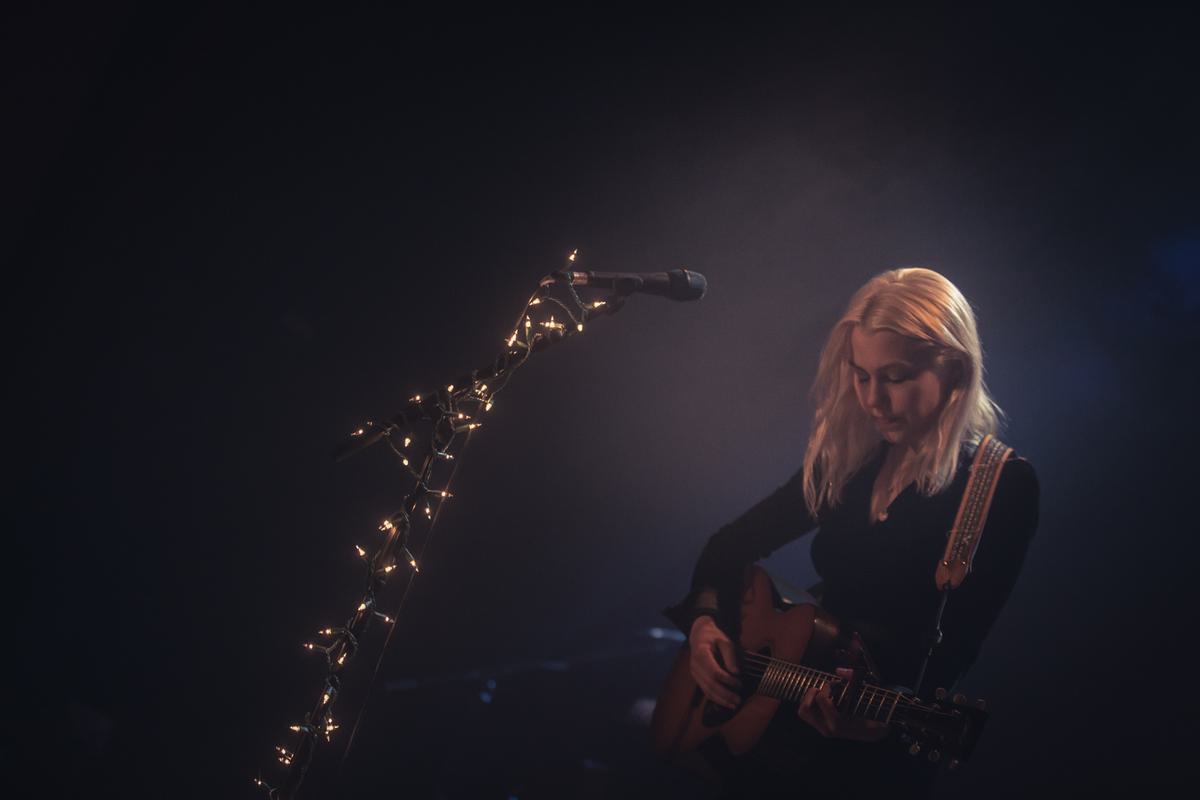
(1018, 481)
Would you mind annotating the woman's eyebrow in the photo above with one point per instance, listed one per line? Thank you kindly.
(885, 366)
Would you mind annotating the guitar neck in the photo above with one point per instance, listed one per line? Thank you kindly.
(787, 681)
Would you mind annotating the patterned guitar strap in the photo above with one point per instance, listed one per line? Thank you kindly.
(967, 530)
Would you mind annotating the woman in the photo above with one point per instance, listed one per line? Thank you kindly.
(900, 406)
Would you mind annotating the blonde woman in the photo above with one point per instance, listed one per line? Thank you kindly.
(900, 406)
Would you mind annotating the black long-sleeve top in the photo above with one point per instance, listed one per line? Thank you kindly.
(878, 577)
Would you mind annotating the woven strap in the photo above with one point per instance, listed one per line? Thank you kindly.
(972, 512)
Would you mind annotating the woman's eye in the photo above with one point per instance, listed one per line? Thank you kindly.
(862, 378)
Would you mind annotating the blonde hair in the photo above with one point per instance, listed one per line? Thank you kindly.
(927, 308)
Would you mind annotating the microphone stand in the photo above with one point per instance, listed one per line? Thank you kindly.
(452, 409)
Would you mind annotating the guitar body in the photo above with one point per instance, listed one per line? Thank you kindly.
(684, 718)
(784, 650)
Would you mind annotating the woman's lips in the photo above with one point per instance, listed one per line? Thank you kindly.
(887, 422)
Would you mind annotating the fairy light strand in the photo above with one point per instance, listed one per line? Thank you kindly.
(453, 413)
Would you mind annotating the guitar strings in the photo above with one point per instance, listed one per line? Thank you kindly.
(757, 661)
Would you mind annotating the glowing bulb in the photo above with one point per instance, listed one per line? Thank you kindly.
(483, 387)
(512, 339)
(472, 426)
(389, 568)
(444, 493)
(487, 406)
(461, 415)
(537, 301)
(407, 441)
(598, 303)
(358, 432)
(404, 461)
(428, 511)
(579, 327)
(361, 553)
(309, 646)
(342, 659)
(450, 388)
(416, 398)
(326, 632)
(412, 562)
(572, 256)
(294, 728)
(528, 324)
(362, 606)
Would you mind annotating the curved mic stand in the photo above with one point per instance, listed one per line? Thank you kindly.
(453, 409)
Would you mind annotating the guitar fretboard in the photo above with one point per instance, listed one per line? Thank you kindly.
(787, 681)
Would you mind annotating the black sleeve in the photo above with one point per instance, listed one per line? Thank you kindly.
(972, 609)
(768, 525)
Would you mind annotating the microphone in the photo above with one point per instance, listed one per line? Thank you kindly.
(678, 284)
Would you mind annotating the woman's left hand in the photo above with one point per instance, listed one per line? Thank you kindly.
(818, 710)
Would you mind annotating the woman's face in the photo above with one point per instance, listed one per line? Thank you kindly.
(898, 386)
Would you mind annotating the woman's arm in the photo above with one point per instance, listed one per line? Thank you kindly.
(972, 609)
(771, 523)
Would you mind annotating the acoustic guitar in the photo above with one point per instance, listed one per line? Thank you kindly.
(783, 650)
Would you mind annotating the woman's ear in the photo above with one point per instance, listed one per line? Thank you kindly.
(958, 372)
(954, 371)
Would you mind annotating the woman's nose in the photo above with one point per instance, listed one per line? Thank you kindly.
(876, 398)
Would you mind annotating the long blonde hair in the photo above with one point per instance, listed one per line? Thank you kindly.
(926, 307)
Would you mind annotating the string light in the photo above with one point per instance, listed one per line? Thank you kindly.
(451, 411)
(412, 561)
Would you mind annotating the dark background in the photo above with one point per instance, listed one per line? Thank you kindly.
(231, 237)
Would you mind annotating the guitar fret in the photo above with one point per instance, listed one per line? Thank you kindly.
(769, 679)
(895, 700)
(793, 679)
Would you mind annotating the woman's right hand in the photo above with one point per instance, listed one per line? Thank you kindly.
(717, 682)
